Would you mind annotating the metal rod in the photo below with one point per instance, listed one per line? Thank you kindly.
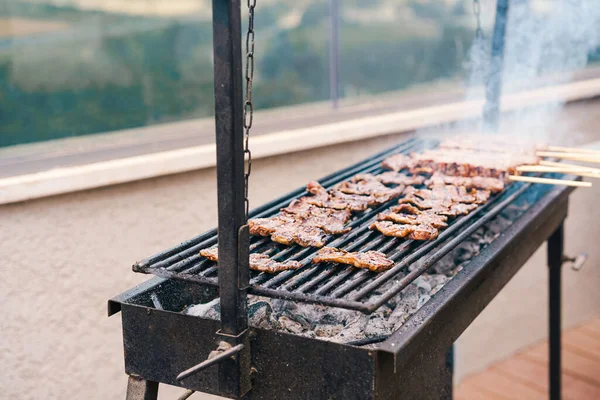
(493, 90)
(555, 256)
(210, 362)
(334, 52)
(230, 162)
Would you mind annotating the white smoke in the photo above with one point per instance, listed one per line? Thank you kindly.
(546, 43)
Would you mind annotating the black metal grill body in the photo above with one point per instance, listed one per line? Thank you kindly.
(160, 342)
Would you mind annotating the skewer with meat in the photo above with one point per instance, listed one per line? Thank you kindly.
(494, 185)
(469, 163)
(414, 232)
(493, 144)
(258, 262)
(371, 260)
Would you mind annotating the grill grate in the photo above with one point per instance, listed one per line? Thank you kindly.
(332, 284)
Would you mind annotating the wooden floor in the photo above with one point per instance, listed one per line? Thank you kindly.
(525, 375)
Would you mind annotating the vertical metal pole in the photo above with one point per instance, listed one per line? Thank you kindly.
(230, 159)
(334, 52)
(555, 255)
(234, 373)
(493, 90)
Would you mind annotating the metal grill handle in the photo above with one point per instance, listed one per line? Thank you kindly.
(222, 352)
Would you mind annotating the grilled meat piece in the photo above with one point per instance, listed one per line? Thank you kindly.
(263, 263)
(405, 208)
(212, 253)
(390, 178)
(304, 209)
(336, 199)
(422, 218)
(258, 262)
(426, 204)
(329, 220)
(424, 232)
(455, 209)
(457, 194)
(305, 236)
(481, 196)
(371, 188)
(372, 260)
(395, 178)
(286, 230)
(414, 232)
(494, 185)
(397, 162)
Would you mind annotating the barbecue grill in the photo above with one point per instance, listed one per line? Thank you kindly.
(227, 358)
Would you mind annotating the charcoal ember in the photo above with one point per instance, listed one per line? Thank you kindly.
(202, 310)
(290, 325)
(260, 315)
(466, 250)
(214, 312)
(498, 225)
(445, 265)
(378, 326)
(327, 331)
(422, 300)
(422, 283)
(437, 282)
(398, 317)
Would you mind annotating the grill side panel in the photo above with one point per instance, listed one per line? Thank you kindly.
(160, 344)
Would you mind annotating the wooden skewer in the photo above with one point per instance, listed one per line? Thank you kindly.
(567, 171)
(544, 168)
(573, 149)
(548, 181)
(571, 156)
(566, 166)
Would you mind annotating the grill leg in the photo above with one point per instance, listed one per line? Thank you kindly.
(555, 255)
(448, 394)
(141, 389)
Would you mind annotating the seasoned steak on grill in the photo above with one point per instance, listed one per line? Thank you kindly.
(285, 230)
(414, 232)
(397, 162)
(330, 220)
(336, 199)
(425, 218)
(258, 262)
(304, 209)
(457, 194)
(372, 260)
(372, 188)
(406, 209)
(305, 236)
(395, 178)
(455, 209)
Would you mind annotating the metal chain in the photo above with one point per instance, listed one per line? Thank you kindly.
(248, 107)
(477, 13)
